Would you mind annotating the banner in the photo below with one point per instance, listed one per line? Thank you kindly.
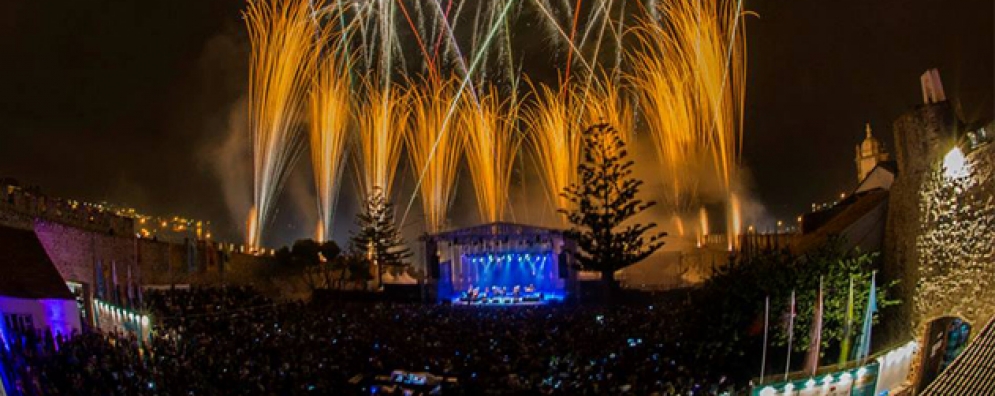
(858, 381)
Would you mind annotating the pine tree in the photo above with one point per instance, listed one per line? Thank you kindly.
(604, 200)
(378, 238)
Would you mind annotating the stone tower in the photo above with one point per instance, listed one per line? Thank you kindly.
(869, 154)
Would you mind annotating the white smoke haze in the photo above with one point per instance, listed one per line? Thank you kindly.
(231, 163)
(296, 214)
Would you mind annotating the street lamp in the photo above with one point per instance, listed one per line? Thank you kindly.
(955, 164)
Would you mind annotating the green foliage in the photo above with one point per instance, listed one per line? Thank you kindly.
(736, 293)
(358, 267)
(605, 199)
(315, 260)
(378, 240)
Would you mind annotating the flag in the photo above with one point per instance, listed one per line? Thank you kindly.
(815, 335)
(138, 284)
(864, 346)
(129, 290)
(847, 327)
(191, 255)
(100, 280)
(791, 334)
(115, 295)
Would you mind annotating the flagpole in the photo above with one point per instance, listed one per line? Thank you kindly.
(791, 334)
(815, 334)
(763, 362)
(847, 327)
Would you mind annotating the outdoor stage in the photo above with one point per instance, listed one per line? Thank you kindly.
(501, 264)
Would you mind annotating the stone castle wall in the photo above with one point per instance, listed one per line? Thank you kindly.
(938, 236)
(76, 250)
(19, 208)
(203, 263)
(956, 243)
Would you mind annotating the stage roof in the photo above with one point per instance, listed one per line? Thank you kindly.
(499, 229)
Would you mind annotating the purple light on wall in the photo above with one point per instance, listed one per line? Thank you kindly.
(61, 320)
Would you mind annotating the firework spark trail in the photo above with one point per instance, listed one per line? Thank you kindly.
(421, 44)
(456, 100)
(604, 103)
(668, 107)
(509, 54)
(619, 48)
(379, 116)
(735, 222)
(329, 110)
(602, 12)
(551, 22)
(282, 57)
(555, 140)
(434, 147)
(702, 226)
(445, 18)
(689, 70)
(452, 46)
(608, 88)
(492, 143)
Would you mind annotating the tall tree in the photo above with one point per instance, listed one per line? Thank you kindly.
(378, 239)
(604, 200)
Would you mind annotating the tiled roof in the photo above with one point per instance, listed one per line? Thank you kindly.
(973, 372)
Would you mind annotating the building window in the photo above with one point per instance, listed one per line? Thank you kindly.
(19, 323)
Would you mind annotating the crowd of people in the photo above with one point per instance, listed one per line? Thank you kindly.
(235, 342)
(178, 303)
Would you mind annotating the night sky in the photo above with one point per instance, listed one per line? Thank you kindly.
(133, 102)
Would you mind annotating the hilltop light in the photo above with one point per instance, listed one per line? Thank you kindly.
(954, 164)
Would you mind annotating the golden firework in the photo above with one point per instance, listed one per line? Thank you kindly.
(329, 110)
(492, 142)
(553, 132)
(380, 116)
(434, 147)
(283, 56)
(690, 73)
